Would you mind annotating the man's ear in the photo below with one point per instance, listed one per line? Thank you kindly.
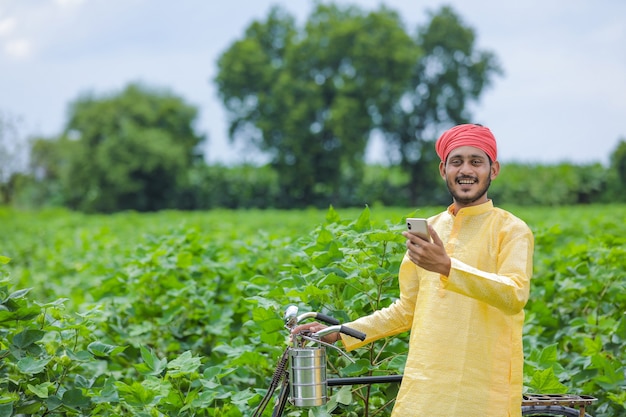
(442, 170)
(495, 169)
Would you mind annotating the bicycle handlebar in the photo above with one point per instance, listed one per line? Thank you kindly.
(326, 319)
(342, 329)
(318, 316)
(292, 318)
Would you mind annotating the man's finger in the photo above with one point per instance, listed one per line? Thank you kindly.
(436, 239)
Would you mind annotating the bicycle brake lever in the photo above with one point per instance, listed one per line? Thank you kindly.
(291, 317)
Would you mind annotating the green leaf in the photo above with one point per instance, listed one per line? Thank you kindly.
(204, 399)
(80, 356)
(32, 366)
(211, 372)
(387, 236)
(4, 259)
(398, 363)
(28, 408)
(332, 216)
(360, 366)
(135, 394)
(363, 222)
(40, 390)
(184, 260)
(243, 397)
(81, 382)
(271, 325)
(324, 238)
(592, 346)
(75, 398)
(344, 395)
(6, 410)
(26, 338)
(109, 392)
(331, 279)
(152, 364)
(56, 303)
(545, 382)
(19, 294)
(23, 313)
(53, 402)
(184, 364)
(548, 355)
(104, 350)
(322, 259)
(319, 412)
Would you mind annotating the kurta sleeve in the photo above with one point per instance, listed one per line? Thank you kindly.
(508, 287)
(396, 318)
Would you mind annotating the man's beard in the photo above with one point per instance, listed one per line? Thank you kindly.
(469, 199)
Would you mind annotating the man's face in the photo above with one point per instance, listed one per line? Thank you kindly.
(468, 174)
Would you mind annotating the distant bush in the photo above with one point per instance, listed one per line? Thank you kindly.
(251, 186)
(220, 186)
(549, 185)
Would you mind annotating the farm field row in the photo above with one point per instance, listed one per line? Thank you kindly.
(149, 313)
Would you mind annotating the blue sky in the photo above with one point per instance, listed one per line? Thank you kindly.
(562, 97)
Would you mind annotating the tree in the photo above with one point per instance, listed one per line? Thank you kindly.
(618, 165)
(311, 98)
(451, 73)
(53, 165)
(129, 150)
(13, 154)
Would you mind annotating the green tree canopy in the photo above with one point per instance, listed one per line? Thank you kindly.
(124, 151)
(450, 74)
(311, 97)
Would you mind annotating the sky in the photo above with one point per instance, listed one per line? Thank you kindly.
(562, 97)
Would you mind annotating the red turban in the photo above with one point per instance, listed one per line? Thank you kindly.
(467, 135)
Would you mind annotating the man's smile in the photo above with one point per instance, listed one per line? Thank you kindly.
(466, 181)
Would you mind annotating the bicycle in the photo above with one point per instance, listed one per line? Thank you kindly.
(301, 373)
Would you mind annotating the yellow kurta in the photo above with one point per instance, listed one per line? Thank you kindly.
(465, 351)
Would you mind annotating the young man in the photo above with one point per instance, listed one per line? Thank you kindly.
(461, 295)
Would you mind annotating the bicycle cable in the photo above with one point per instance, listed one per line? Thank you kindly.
(279, 373)
(327, 345)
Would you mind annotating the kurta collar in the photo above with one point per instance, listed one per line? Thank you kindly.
(472, 210)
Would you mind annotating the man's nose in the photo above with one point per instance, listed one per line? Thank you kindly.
(466, 167)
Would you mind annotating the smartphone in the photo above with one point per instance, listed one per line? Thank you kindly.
(418, 227)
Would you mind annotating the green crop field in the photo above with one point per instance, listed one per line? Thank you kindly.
(179, 313)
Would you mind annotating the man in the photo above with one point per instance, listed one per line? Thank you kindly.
(461, 295)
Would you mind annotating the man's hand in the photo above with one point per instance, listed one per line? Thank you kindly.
(316, 327)
(431, 256)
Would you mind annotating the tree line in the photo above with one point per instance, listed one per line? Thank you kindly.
(308, 98)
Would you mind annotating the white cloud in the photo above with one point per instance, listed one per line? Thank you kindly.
(69, 3)
(19, 48)
(7, 25)
(612, 32)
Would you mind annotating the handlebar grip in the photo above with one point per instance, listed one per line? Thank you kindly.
(326, 319)
(352, 332)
